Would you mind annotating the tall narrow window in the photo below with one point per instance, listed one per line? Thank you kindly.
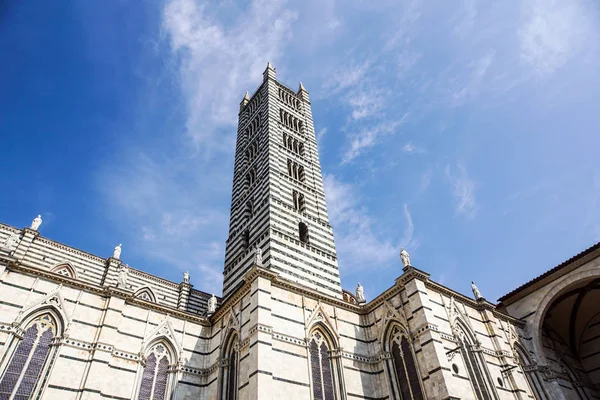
(28, 361)
(295, 199)
(246, 239)
(301, 203)
(405, 369)
(155, 374)
(303, 232)
(230, 369)
(474, 367)
(321, 368)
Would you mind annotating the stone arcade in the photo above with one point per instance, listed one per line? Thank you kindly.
(77, 326)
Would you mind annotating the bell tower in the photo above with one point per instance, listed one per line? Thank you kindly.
(278, 200)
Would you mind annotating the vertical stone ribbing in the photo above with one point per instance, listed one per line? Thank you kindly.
(278, 200)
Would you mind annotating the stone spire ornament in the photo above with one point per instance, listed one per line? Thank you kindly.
(360, 293)
(404, 257)
(35, 224)
(476, 291)
(212, 305)
(186, 277)
(117, 251)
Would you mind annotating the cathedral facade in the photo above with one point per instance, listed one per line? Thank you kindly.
(78, 326)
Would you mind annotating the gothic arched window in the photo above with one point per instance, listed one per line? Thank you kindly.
(230, 362)
(405, 371)
(321, 368)
(476, 369)
(533, 379)
(29, 360)
(155, 376)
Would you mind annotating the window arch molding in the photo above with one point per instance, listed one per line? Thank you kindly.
(474, 362)
(157, 371)
(30, 352)
(145, 293)
(530, 371)
(229, 366)
(324, 364)
(401, 363)
(65, 268)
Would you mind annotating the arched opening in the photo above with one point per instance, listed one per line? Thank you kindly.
(303, 232)
(475, 364)
(155, 383)
(65, 269)
(30, 357)
(402, 366)
(245, 239)
(570, 338)
(230, 367)
(324, 371)
(531, 374)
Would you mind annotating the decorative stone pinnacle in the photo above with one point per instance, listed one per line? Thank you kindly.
(301, 88)
(247, 96)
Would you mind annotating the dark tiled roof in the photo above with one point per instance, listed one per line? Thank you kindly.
(550, 272)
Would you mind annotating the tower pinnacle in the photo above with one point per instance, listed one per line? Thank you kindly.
(269, 72)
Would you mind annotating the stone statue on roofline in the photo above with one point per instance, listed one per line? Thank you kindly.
(117, 251)
(123, 274)
(404, 257)
(476, 291)
(258, 256)
(10, 243)
(212, 305)
(360, 293)
(37, 221)
(186, 277)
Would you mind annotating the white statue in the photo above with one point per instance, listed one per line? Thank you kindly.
(405, 257)
(212, 304)
(360, 293)
(476, 291)
(186, 277)
(10, 243)
(117, 251)
(35, 224)
(258, 256)
(123, 273)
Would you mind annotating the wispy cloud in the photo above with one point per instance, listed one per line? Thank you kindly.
(218, 61)
(369, 136)
(553, 33)
(357, 244)
(463, 190)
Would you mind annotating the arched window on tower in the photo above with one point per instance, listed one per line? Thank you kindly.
(248, 210)
(295, 199)
(476, 367)
(303, 232)
(246, 239)
(29, 360)
(230, 369)
(301, 203)
(154, 384)
(406, 381)
(322, 367)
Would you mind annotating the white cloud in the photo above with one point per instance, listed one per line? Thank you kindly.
(553, 33)
(463, 189)
(218, 62)
(346, 78)
(369, 136)
(357, 245)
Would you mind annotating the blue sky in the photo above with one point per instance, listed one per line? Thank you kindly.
(466, 132)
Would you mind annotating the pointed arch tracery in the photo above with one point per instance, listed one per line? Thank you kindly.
(230, 361)
(402, 366)
(474, 362)
(156, 377)
(24, 372)
(324, 367)
(145, 293)
(65, 269)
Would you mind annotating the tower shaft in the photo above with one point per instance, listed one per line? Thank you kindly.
(278, 200)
